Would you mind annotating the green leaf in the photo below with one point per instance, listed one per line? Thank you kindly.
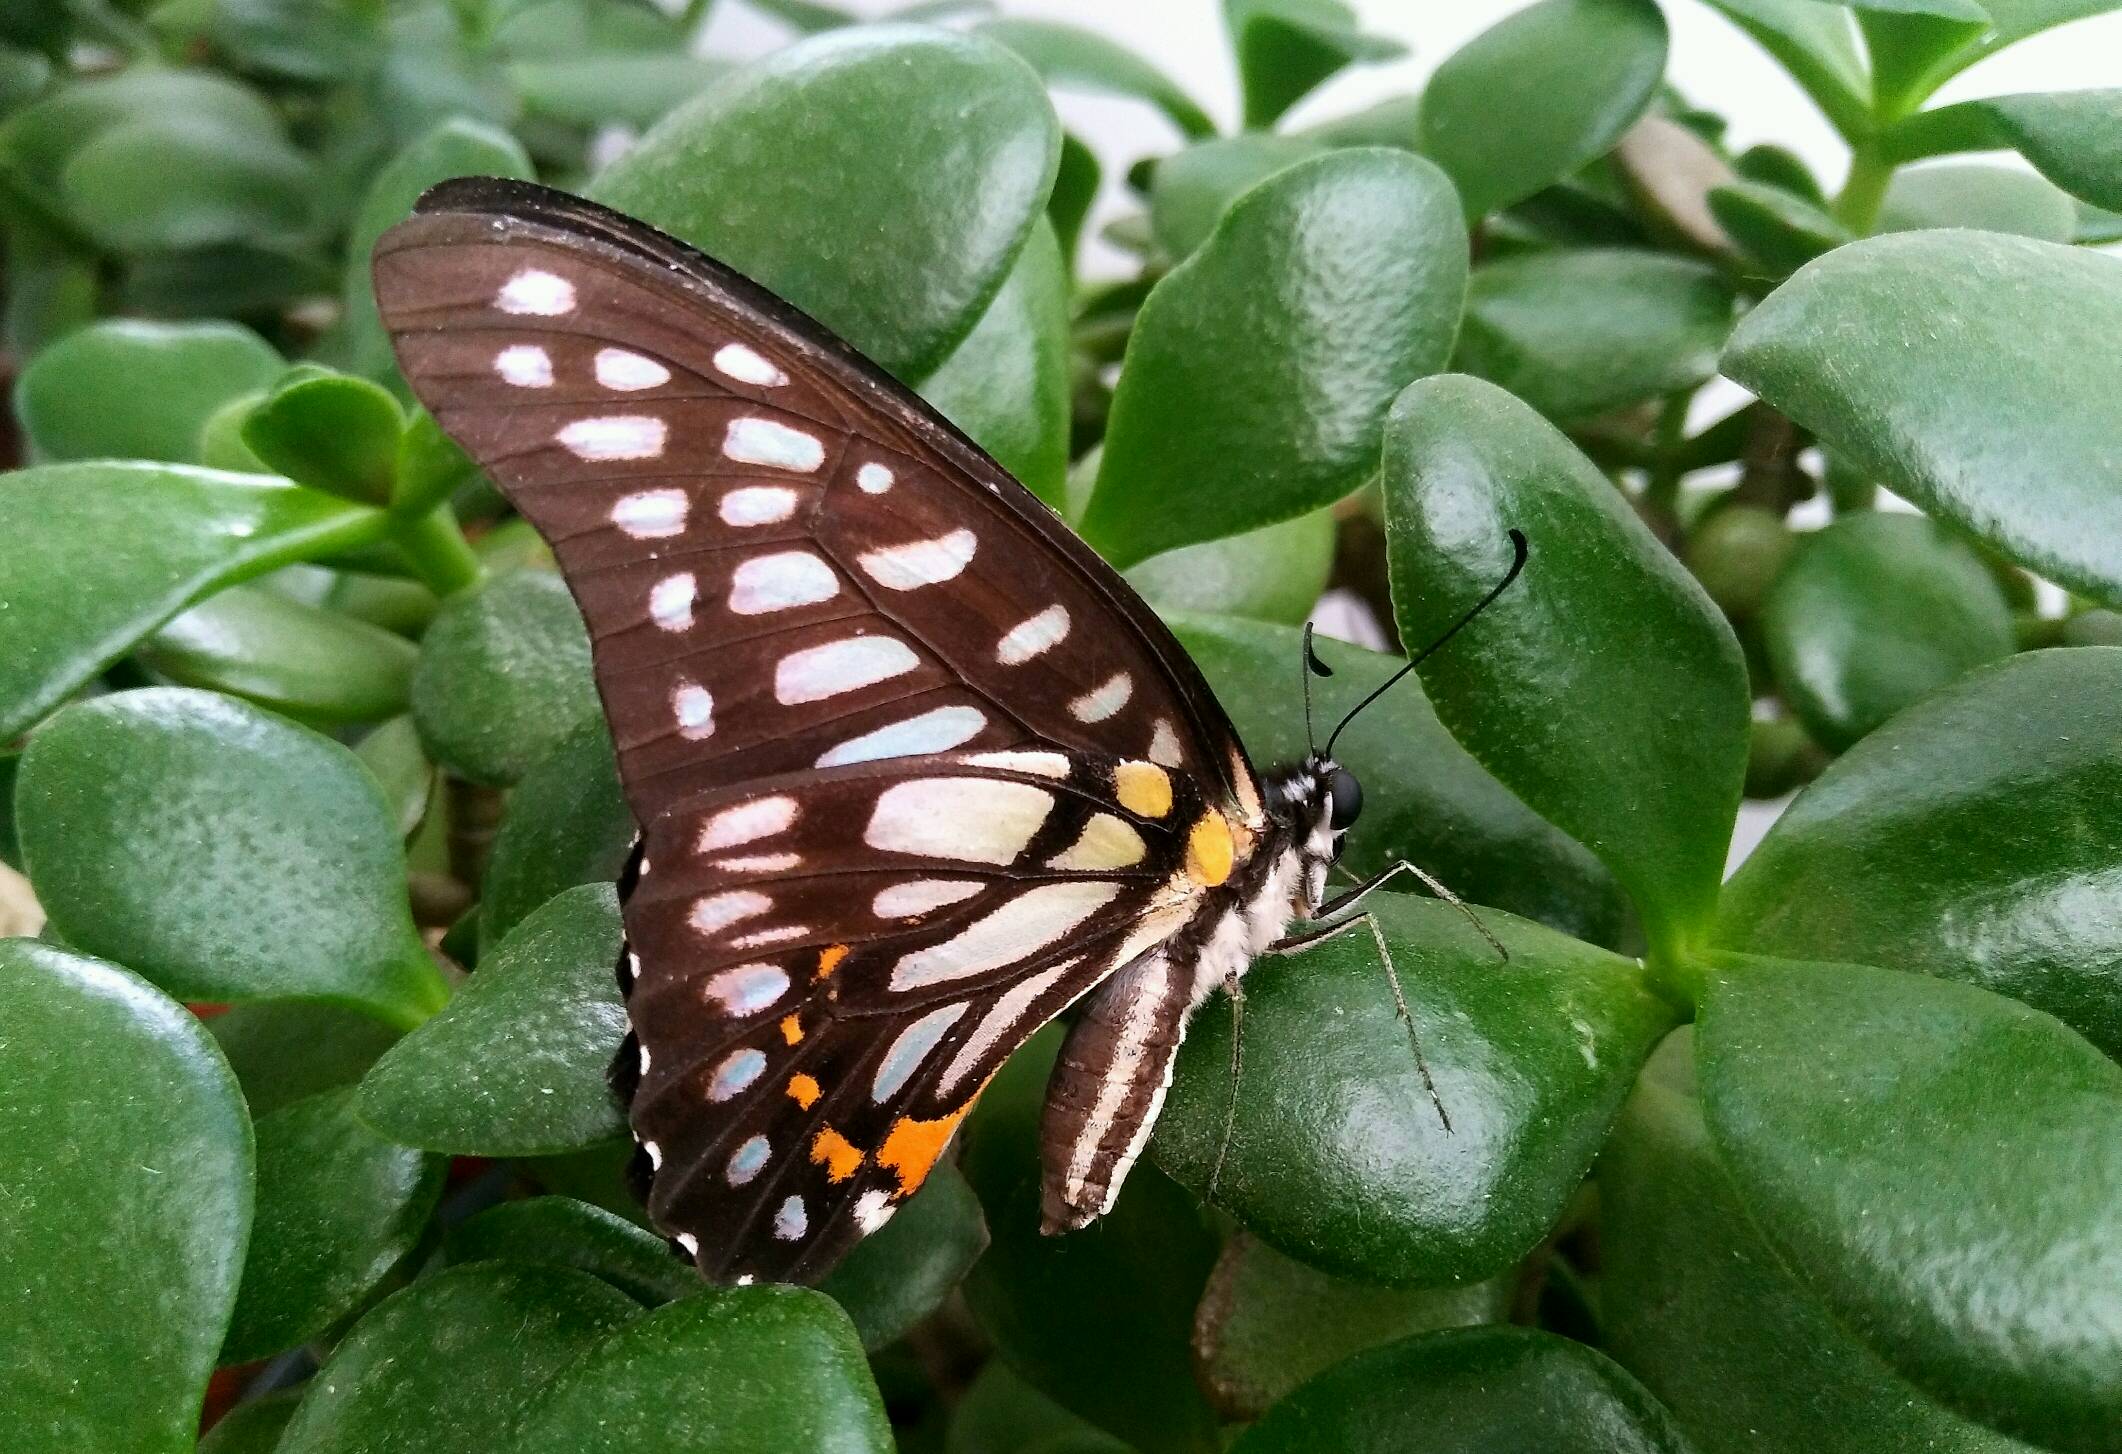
(1002, 1414)
(503, 677)
(135, 544)
(1430, 803)
(514, 1066)
(1268, 1323)
(900, 1274)
(1945, 405)
(747, 1369)
(285, 1050)
(128, 1202)
(1910, 53)
(1260, 368)
(1580, 332)
(563, 1232)
(1945, 1176)
(1275, 573)
(1580, 73)
(303, 660)
(1875, 612)
(134, 390)
(1776, 228)
(338, 1208)
(1285, 48)
(1469, 1392)
(1006, 385)
(612, 88)
(168, 183)
(1968, 194)
(1695, 1304)
(457, 147)
(567, 823)
(1191, 190)
(1604, 687)
(1068, 57)
(253, 1426)
(1337, 1155)
(947, 192)
(393, 757)
(1973, 838)
(335, 433)
(1818, 45)
(1075, 191)
(1100, 1320)
(222, 852)
(447, 1365)
(303, 40)
(2071, 137)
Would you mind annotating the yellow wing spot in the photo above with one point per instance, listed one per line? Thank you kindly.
(1143, 788)
(829, 960)
(840, 1157)
(792, 1029)
(803, 1090)
(913, 1146)
(1209, 851)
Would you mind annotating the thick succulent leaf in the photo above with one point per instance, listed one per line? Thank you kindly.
(129, 389)
(1971, 194)
(305, 661)
(2073, 138)
(1338, 1157)
(253, 1426)
(901, 1273)
(559, 1231)
(1287, 47)
(566, 823)
(612, 87)
(946, 192)
(1260, 369)
(1946, 405)
(1002, 1414)
(1974, 837)
(172, 183)
(1946, 1176)
(1578, 74)
(1604, 687)
(127, 1187)
(285, 1050)
(1275, 573)
(222, 852)
(1069, 57)
(1191, 190)
(136, 543)
(393, 757)
(332, 432)
(1776, 228)
(503, 677)
(1818, 45)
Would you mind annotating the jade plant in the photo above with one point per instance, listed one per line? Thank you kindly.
(307, 1142)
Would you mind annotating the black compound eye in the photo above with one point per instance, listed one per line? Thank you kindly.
(1347, 798)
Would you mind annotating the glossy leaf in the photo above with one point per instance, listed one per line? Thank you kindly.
(1098, 1321)
(503, 677)
(1580, 332)
(1697, 1305)
(308, 662)
(1275, 573)
(1070, 57)
(135, 544)
(283, 1051)
(515, 1065)
(332, 432)
(747, 1369)
(1580, 72)
(448, 1365)
(1973, 837)
(127, 389)
(1428, 801)
(1287, 47)
(1469, 1392)
(1968, 194)
(901, 1273)
(1076, 183)
(1875, 612)
(1818, 45)
(612, 88)
(338, 1208)
(1006, 385)
(1943, 405)
(1191, 190)
(1605, 639)
(1260, 368)
(1337, 1155)
(253, 1426)
(168, 183)
(947, 192)
(1945, 1176)
(1777, 228)
(2072, 138)
(393, 757)
(127, 1188)
(222, 852)
(563, 1232)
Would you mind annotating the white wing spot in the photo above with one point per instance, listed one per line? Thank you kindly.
(651, 514)
(717, 912)
(747, 989)
(1104, 701)
(922, 562)
(910, 1048)
(770, 936)
(536, 292)
(760, 818)
(978, 820)
(633, 966)
(1105, 843)
(873, 1209)
(748, 1160)
(934, 731)
(616, 436)
(1020, 928)
(1028, 638)
(759, 863)
(738, 1069)
(818, 672)
(689, 1242)
(874, 479)
(758, 505)
(525, 365)
(748, 366)
(781, 582)
(621, 369)
(920, 896)
(752, 440)
(655, 1155)
(1164, 748)
(670, 601)
(1038, 764)
(693, 707)
(1008, 1009)
(791, 1222)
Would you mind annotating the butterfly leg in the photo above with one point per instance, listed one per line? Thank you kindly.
(1236, 991)
(1354, 896)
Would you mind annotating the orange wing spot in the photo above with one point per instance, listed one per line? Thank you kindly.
(829, 960)
(792, 1029)
(1143, 788)
(803, 1090)
(913, 1146)
(840, 1157)
(1209, 850)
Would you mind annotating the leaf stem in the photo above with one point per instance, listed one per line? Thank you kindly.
(1870, 171)
(439, 552)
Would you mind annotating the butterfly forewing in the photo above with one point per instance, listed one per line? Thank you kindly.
(914, 768)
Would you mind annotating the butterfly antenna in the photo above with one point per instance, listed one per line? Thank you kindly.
(1517, 564)
(1310, 668)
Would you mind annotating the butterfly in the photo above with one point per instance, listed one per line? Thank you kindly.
(915, 770)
